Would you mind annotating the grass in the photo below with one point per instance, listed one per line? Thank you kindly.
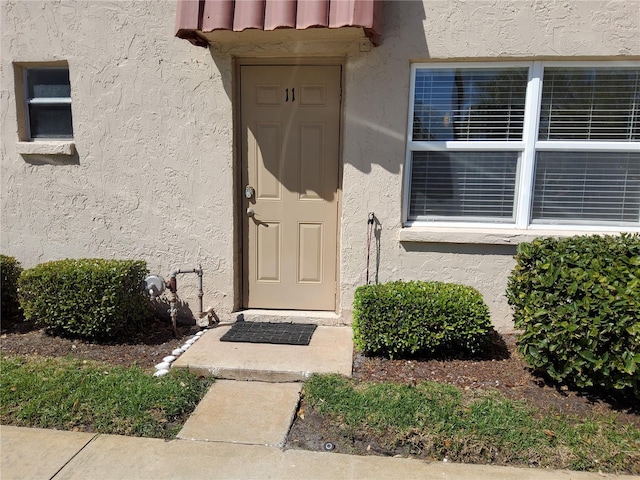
(440, 421)
(70, 394)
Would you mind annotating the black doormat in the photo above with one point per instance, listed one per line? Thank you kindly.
(263, 332)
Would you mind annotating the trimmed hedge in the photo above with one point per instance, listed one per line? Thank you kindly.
(577, 302)
(419, 318)
(88, 298)
(10, 270)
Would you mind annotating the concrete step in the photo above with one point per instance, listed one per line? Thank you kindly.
(330, 319)
(251, 413)
(330, 351)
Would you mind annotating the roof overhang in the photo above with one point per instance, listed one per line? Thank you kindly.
(204, 21)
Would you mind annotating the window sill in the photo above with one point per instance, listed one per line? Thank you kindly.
(47, 147)
(486, 236)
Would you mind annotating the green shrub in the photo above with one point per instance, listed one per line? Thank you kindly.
(577, 302)
(426, 318)
(88, 298)
(10, 270)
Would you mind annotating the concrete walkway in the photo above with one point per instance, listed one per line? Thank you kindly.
(253, 413)
(29, 453)
(237, 430)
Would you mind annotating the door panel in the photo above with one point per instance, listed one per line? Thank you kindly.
(269, 252)
(290, 149)
(266, 147)
(312, 169)
(310, 243)
(313, 95)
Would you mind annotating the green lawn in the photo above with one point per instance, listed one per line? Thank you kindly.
(70, 394)
(433, 420)
(440, 421)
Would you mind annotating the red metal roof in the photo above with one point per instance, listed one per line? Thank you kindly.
(202, 16)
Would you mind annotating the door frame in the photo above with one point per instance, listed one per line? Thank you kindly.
(241, 269)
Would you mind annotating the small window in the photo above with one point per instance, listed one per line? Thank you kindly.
(48, 103)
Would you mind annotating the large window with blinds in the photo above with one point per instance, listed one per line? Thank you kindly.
(524, 144)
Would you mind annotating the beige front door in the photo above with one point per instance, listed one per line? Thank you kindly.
(290, 147)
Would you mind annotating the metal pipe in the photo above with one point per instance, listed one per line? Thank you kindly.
(200, 291)
(193, 270)
(173, 312)
(172, 285)
(198, 271)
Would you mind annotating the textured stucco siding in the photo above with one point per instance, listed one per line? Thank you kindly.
(377, 97)
(153, 129)
(153, 133)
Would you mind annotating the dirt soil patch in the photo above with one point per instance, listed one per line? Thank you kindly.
(145, 349)
(501, 369)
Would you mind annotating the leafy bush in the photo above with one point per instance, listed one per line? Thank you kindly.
(408, 318)
(10, 270)
(577, 301)
(88, 298)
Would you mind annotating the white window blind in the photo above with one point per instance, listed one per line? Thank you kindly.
(544, 143)
(463, 184)
(589, 187)
(590, 104)
(478, 104)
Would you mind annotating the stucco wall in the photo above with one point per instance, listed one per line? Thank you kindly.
(153, 132)
(377, 96)
(153, 127)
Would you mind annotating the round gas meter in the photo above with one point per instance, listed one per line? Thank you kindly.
(154, 285)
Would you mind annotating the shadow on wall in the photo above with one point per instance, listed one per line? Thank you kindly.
(186, 316)
(51, 159)
(459, 248)
(377, 108)
(374, 234)
(374, 117)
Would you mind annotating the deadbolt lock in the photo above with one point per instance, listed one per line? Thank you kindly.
(249, 192)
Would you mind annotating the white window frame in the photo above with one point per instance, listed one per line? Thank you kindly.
(523, 195)
(42, 101)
